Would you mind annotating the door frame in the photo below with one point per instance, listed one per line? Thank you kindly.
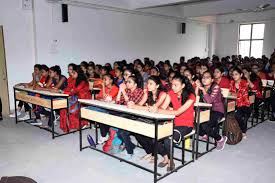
(6, 102)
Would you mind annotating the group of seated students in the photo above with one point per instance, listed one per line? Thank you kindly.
(161, 88)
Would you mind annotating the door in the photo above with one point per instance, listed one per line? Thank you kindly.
(4, 94)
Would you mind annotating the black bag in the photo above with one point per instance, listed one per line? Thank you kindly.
(232, 130)
(17, 179)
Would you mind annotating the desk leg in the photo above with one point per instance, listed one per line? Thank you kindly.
(51, 118)
(15, 106)
(68, 114)
(197, 129)
(156, 152)
(80, 130)
(172, 146)
(225, 117)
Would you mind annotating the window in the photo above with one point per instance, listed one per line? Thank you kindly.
(251, 40)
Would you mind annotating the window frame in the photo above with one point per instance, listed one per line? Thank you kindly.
(251, 39)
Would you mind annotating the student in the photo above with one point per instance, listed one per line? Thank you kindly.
(182, 69)
(167, 67)
(210, 92)
(105, 70)
(35, 80)
(80, 90)
(154, 96)
(140, 69)
(119, 76)
(131, 92)
(108, 93)
(191, 77)
(57, 82)
(255, 84)
(182, 97)
(98, 68)
(220, 79)
(239, 88)
(91, 72)
(171, 75)
(154, 71)
(84, 67)
(255, 68)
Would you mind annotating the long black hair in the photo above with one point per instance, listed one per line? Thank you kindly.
(188, 89)
(81, 76)
(150, 100)
(138, 79)
(56, 69)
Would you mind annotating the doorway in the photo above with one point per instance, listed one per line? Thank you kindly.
(4, 93)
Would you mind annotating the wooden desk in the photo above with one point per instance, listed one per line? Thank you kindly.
(120, 116)
(45, 99)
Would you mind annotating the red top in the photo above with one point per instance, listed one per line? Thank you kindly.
(242, 93)
(187, 117)
(42, 82)
(113, 91)
(257, 88)
(82, 90)
(113, 73)
(270, 76)
(134, 96)
(224, 82)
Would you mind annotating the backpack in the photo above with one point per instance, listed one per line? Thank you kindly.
(232, 130)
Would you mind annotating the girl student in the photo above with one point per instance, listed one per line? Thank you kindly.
(182, 97)
(108, 93)
(239, 88)
(155, 96)
(132, 91)
(78, 89)
(210, 92)
(220, 79)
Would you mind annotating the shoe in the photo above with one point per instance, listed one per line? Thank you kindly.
(13, 114)
(272, 118)
(102, 140)
(1, 117)
(91, 141)
(25, 117)
(171, 167)
(204, 138)
(128, 156)
(162, 165)
(221, 143)
(37, 122)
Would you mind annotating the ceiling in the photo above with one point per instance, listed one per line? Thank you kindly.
(186, 8)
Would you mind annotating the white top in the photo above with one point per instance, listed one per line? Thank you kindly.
(47, 93)
(125, 109)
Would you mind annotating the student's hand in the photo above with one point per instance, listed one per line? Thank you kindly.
(153, 109)
(107, 98)
(122, 86)
(247, 76)
(130, 104)
(198, 83)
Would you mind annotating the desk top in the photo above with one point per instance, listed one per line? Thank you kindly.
(125, 109)
(21, 88)
(202, 104)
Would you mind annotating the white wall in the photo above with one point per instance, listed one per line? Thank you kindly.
(99, 35)
(105, 36)
(227, 33)
(19, 44)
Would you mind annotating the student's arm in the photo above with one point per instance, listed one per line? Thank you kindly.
(210, 98)
(161, 100)
(60, 83)
(140, 105)
(179, 111)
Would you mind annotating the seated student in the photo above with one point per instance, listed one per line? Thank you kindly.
(191, 77)
(105, 70)
(271, 76)
(255, 68)
(132, 92)
(145, 75)
(239, 88)
(115, 66)
(154, 71)
(91, 72)
(98, 68)
(171, 75)
(108, 93)
(35, 79)
(182, 97)
(119, 76)
(255, 84)
(210, 92)
(183, 67)
(56, 83)
(220, 79)
(154, 96)
(84, 67)
(77, 89)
